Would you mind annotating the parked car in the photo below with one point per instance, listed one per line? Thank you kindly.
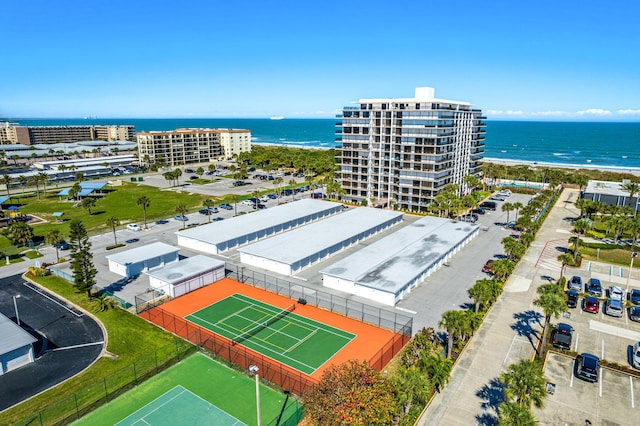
(613, 307)
(162, 222)
(488, 205)
(561, 336)
(478, 211)
(575, 283)
(505, 193)
(247, 202)
(226, 206)
(273, 196)
(487, 268)
(261, 206)
(634, 313)
(473, 218)
(204, 211)
(616, 292)
(634, 296)
(264, 198)
(62, 245)
(594, 287)
(318, 195)
(572, 298)
(591, 304)
(587, 367)
(134, 227)
(636, 355)
(496, 198)
(181, 218)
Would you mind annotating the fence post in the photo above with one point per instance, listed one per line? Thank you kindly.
(75, 398)
(106, 392)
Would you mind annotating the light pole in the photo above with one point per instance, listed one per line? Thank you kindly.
(633, 256)
(15, 306)
(254, 369)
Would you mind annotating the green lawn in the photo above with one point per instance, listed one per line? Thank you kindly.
(130, 339)
(221, 386)
(291, 339)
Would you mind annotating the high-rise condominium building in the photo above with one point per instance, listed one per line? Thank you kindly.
(185, 146)
(30, 135)
(403, 151)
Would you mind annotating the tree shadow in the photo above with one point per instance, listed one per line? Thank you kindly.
(547, 278)
(492, 394)
(524, 325)
(120, 284)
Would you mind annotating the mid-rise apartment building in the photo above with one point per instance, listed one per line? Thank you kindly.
(404, 151)
(185, 146)
(31, 135)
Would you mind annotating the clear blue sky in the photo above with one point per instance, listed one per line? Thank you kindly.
(541, 59)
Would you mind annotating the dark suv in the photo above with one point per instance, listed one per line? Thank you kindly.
(561, 336)
(594, 287)
(588, 367)
(572, 298)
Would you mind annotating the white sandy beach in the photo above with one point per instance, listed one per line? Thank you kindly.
(616, 169)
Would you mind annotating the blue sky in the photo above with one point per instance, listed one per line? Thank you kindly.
(539, 59)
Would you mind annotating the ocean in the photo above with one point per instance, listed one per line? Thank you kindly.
(587, 144)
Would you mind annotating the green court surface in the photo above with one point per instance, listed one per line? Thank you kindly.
(291, 339)
(195, 391)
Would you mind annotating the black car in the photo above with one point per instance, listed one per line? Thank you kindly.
(488, 205)
(594, 287)
(561, 336)
(634, 313)
(572, 298)
(62, 245)
(634, 296)
(478, 211)
(587, 367)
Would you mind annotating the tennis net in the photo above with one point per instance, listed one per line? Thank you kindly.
(261, 326)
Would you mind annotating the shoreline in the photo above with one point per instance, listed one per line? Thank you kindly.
(509, 162)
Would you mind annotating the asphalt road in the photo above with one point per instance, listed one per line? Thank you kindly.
(69, 343)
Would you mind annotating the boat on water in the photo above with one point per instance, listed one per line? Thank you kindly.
(276, 117)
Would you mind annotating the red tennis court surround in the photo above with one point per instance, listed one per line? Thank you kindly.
(371, 344)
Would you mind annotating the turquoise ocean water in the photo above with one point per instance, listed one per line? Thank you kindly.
(576, 143)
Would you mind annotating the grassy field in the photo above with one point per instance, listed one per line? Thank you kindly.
(129, 339)
(219, 385)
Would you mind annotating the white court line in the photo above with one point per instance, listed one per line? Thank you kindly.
(300, 342)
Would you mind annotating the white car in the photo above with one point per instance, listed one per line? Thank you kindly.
(264, 198)
(616, 293)
(636, 355)
(247, 202)
(134, 227)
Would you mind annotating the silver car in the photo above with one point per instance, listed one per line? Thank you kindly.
(613, 307)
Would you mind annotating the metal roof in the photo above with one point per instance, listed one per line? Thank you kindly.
(395, 260)
(13, 336)
(306, 241)
(142, 253)
(607, 188)
(239, 226)
(185, 269)
(4, 199)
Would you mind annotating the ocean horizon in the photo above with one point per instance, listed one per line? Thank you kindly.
(587, 144)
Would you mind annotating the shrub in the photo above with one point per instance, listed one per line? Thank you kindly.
(38, 272)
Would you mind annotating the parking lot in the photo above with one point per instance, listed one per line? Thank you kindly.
(611, 401)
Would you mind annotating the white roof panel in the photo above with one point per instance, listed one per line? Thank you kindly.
(185, 269)
(142, 253)
(13, 336)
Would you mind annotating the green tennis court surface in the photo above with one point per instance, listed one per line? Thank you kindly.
(291, 339)
(180, 406)
(196, 391)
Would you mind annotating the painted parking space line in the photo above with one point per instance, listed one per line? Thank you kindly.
(600, 382)
(614, 330)
(633, 403)
(575, 346)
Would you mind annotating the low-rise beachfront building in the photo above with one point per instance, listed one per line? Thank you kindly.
(404, 151)
(187, 146)
(388, 269)
(16, 346)
(31, 135)
(130, 263)
(610, 193)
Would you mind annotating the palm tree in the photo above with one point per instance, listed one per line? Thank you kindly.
(6, 181)
(79, 177)
(181, 209)
(484, 292)
(411, 386)
(20, 233)
(208, 203)
(507, 207)
(437, 367)
(565, 259)
(144, 202)
(512, 414)
(580, 227)
(276, 184)
(292, 183)
(525, 384)
(44, 179)
(23, 181)
(102, 303)
(112, 222)
(235, 198)
(632, 188)
(452, 321)
(54, 237)
(88, 203)
(517, 206)
(551, 300)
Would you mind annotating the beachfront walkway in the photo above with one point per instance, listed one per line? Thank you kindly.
(510, 330)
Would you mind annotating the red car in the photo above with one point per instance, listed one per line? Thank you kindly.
(591, 304)
(486, 268)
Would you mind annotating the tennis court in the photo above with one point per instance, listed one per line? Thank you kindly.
(180, 406)
(280, 334)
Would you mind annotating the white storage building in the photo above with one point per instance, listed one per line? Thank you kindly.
(132, 262)
(225, 235)
(16, 346)
(178, 278)
(388, 269)
(292, 251)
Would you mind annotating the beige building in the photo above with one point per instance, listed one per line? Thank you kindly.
(31, 135)
(186, 146)
(404, 151)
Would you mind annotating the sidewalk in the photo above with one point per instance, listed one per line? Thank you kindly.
(509, 332)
